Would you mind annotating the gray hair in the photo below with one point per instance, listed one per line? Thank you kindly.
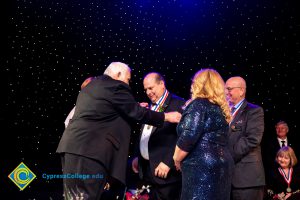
(116, 67)
(282, 123)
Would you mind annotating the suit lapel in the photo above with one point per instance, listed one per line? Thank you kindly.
(239, 112)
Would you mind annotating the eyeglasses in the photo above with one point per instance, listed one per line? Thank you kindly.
(231, 88)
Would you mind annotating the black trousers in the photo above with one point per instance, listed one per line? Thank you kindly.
(84, 178)
(168, 191)
(252, 193)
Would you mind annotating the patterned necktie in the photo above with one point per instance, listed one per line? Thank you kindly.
(232, 109)
(283, 143)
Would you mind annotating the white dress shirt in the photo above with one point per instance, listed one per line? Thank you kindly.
(145, 139)
(69, 117)
(285, 142)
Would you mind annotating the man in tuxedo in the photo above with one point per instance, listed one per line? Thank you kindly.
(155, 163)
(96, 141)
(245, 135)
(274, 144)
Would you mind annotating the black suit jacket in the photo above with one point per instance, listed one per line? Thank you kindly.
(162, 142)
(100, 128)
(245, 135)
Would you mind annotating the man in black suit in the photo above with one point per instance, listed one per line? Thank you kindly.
(245, 135)
(274, 144)
(96, 141)
(155, 163)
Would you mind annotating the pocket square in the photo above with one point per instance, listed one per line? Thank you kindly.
(239, 122)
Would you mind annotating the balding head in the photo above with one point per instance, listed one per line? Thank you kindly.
(235, 89)
(86, 82)
(118, 71)
(154, 86)
(155, 76)
(237, 81)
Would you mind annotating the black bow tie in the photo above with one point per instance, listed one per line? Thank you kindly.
(153, 104)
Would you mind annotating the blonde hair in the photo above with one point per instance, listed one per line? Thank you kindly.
(208, 84)
(287, 151)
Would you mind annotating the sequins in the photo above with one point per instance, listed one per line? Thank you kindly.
(207, 169)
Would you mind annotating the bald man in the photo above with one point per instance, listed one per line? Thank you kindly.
(245, 135)
(94, 146)
(155, 163)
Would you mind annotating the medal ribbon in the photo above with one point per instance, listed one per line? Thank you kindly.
(287, 178)
(161, 101)
(237, 108)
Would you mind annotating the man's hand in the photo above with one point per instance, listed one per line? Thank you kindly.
(287, 195)
(162, 170)
(173, 117)
(134, 165)
(144, 104)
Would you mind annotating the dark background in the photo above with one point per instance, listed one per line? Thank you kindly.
(51, 46)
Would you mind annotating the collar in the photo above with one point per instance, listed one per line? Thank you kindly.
(238, 105)
(279, 140)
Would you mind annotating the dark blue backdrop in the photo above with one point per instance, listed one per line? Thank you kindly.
(52, 46)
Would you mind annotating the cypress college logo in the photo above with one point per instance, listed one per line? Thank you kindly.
(21, 176)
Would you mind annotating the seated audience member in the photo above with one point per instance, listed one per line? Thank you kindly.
(285, 180)
(274, 144)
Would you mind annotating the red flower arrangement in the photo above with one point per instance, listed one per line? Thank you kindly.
(139, 194)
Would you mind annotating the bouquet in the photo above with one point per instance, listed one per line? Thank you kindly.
(138, 194)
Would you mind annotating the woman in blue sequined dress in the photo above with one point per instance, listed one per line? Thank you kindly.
(201, 152)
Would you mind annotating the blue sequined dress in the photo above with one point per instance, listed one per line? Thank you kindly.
(207, 169)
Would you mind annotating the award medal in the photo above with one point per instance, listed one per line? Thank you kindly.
(287, 178)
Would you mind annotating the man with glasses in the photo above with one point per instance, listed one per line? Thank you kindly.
(245, 135)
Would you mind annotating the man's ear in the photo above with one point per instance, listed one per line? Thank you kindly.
(161, 82)
(118, 75)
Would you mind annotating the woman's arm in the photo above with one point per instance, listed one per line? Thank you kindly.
(178, 156)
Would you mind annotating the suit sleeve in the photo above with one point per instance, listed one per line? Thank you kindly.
(253, 136)
(125, 103)
(168, 158)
